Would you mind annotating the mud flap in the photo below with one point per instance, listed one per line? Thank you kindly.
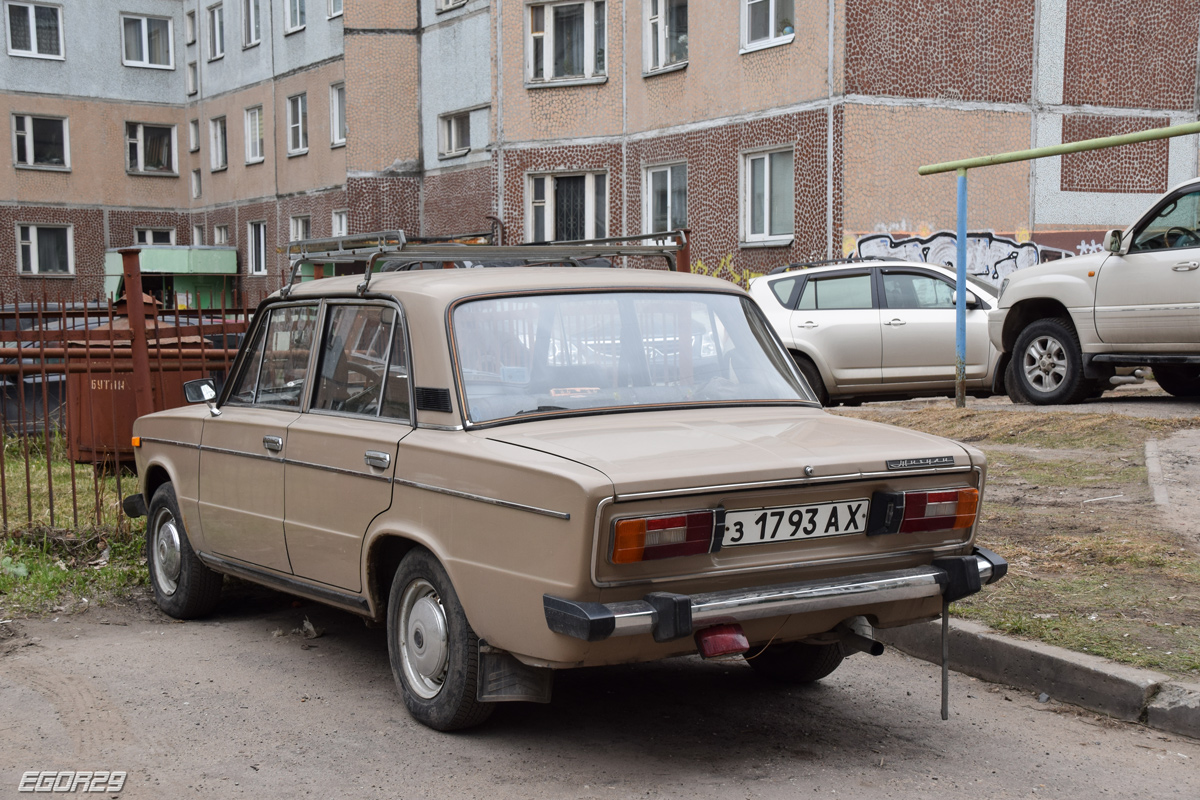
(503, 679)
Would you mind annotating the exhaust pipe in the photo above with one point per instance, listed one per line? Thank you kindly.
(855, 636)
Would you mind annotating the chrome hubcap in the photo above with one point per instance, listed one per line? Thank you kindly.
(1045, 364)
(166, 553)
(424, 644)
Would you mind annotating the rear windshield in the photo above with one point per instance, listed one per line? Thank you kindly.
(570, 353)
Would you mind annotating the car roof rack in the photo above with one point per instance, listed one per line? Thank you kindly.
(453, 250)
(825, 263)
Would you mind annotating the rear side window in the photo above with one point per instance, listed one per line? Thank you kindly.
(845, 292)
(275, 369)
(782, 289)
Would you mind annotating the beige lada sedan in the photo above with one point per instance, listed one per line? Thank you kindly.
(522, 470)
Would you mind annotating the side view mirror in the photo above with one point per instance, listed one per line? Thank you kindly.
(972, 300)
(1112, 241)
(202, 390)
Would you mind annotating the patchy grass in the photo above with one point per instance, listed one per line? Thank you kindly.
(41, 573)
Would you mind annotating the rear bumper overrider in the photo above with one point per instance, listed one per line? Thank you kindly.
(673, 616)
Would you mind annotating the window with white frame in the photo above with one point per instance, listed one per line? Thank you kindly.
(340, 224)
(189, 27)
(335, 8)
(154, 235)
(768, 197)
(254, 135)
(41, 142)
(193, 78)
(295, 14)
(666, 30)
(767, 22)
(301, 227)
(454, 134)
(251, 23)
(220, 234)
(297, 122)
(666, 198)
(150, 148)
(256, 240)
(216, 32)
(193, 135)
(34, 30)
(337, 114)
(446, 5)
(218, 136)
(46, 249)
(195, 183)
(197, 234)
(146, 42)
(566, 206)
(566, 41)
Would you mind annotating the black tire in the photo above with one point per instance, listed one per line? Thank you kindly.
(796, 662)
(1012, 386)
(433, 651)
(1181, 381)
(813, 376)
(183, 587)
(1048, 364)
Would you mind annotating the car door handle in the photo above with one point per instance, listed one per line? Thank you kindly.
(374, 458)
(810, 324)
(896, 322)
(273, 443)
(1186, 266)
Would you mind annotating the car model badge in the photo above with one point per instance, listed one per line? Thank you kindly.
(918, 463)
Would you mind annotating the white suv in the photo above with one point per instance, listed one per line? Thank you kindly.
(1065, 327)
(875, 329)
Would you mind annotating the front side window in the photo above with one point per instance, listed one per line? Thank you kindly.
(297, 122)
(274, 371)
(337, 114)
(301, 227)
(768, 196)
(34, 30)
(150, 148)
(216, 32)
(1176, 224)
(767, 22)
(836, 293)
(666, 33)
(295, 14)
(257, 247)
(364, 367)
(254, 135)
(454, 137)
(46, 249)
(566, 41)
(666, 192)
(219, 144)
(521, 357)
(154, 236)
(40, 142)
(567, 207)
(147, 42)
(912, 290)
(251, 23)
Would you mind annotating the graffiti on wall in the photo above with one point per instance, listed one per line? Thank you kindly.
(990, 257)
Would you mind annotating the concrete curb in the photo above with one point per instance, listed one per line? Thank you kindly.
(1134, 695)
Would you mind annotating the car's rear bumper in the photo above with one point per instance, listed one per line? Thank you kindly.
(672, 616)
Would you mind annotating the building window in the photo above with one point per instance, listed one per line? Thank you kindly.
(46, 249)
(567, 207)
(216, 32)
(218, 144)
(295, 14)
(254, 135)
(150, 148)
(189, 27)
(34, 30)
(197, 234)
(195, 183)
(566, 41)
(193, 135)
(335, 8)
(766, 23)
(147, 42)
(666, 33)
(251, 23)
(337, 114)
(666, 198)
(41, 142)
(340, 225)
(297, 122)
(301, 228)
(257, 239)
(454, 134)
(193, 78)
(154, 236)
(220, 234)
(769, 200)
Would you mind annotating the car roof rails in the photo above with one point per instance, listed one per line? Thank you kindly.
(454, 250)
(825, 263)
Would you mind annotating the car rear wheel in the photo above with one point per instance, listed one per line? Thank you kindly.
(1049, 364)
(813, 376)
(433, 651)
(1181, 381)
(796, 662)
(183, 587)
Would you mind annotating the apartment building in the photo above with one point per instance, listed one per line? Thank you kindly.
(775, 130)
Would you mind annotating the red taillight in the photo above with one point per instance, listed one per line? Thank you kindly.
(647, 538)
(936, 511)
(721, 640)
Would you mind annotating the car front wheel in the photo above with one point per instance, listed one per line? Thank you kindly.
(1181, 381)
(433, 651)
(1049, 364)
(796, 662)
(183, 587)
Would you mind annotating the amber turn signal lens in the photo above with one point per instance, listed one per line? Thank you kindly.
(648, 538)
(137, 441)
(936, 511)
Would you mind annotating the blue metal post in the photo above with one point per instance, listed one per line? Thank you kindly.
(960, 301)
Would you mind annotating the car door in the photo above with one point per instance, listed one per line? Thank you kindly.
(838, 318)
(242, 451)
(1151, 294)
(342, 451)
(918, 328)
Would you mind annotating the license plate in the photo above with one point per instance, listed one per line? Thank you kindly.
(788, 523)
